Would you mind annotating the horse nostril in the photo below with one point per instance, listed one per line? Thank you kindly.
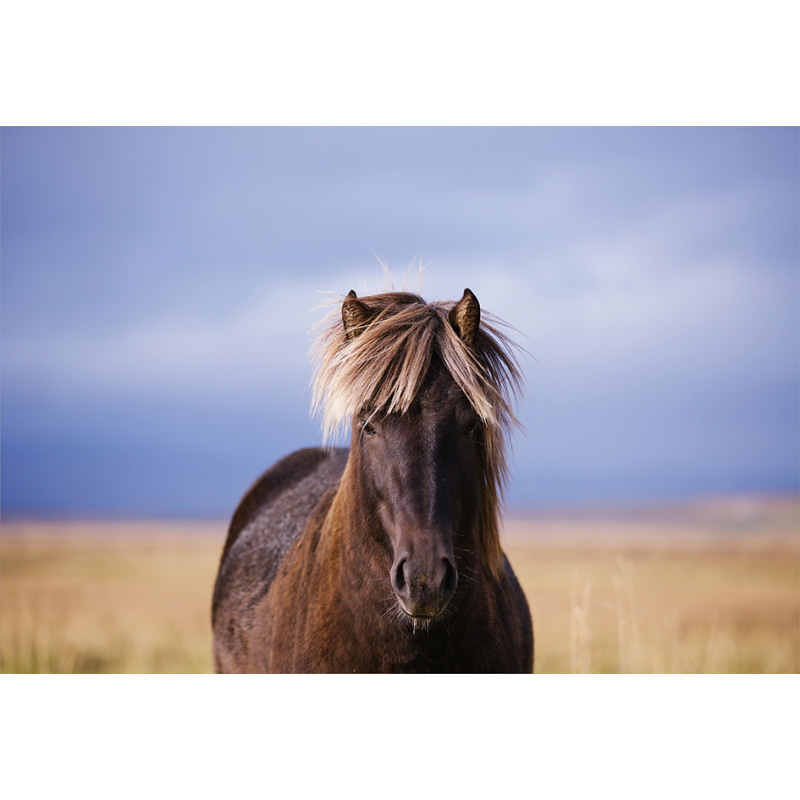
(450, 578)
(400, 575)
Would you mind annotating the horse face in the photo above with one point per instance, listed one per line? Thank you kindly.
(423, 472)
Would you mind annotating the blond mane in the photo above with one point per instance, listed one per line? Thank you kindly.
(383, 368)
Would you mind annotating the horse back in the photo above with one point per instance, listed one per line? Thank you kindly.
(267, 521)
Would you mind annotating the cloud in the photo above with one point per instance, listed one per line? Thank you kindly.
(265, 336)
(159, 287)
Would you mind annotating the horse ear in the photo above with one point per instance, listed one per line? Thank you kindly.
(355, 315)
(465, 317)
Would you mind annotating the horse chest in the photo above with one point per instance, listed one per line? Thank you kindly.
(322, 632)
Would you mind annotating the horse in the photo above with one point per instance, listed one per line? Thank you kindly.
(385, 557)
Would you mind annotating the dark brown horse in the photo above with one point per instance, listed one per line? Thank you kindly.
(386, 557)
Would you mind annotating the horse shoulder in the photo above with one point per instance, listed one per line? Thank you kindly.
(517, 611)
(500, 635)
(270, 517)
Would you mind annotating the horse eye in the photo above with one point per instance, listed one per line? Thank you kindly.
(470, 428)
(368, 429)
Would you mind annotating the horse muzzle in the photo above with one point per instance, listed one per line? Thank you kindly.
(424, 590)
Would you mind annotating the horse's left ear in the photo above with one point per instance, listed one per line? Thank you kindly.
(465, 317)
(355, 315)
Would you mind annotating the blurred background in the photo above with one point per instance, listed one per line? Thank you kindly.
(158, 287)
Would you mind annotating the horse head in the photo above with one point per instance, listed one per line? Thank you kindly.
(421, 468)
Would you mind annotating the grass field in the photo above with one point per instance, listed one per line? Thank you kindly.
(708, 588)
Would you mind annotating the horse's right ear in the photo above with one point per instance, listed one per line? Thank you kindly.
(465, 317)
(355, 315)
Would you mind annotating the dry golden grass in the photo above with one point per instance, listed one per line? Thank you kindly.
(714, 589)
(107, 597)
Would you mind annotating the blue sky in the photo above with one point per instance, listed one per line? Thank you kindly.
(158, 287)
